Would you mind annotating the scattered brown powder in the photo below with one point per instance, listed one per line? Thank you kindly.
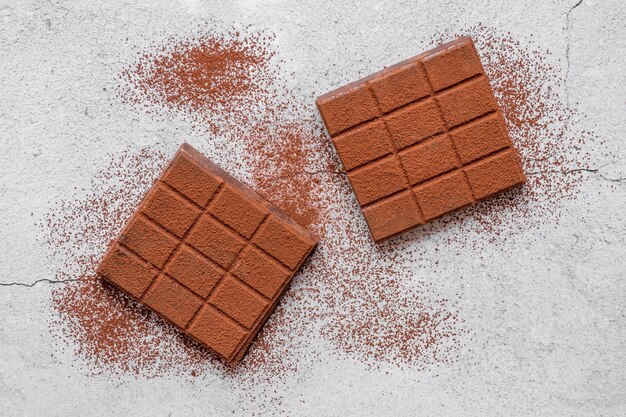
(278, 153)
(209, 77)
(105, 327)
(368, 301)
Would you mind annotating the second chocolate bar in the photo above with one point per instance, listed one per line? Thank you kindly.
(421, 138)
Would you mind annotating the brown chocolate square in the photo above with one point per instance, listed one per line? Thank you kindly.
(377, 180)
(364, 144)
(208, 254)
(258, 270)
(239, 301)
(421, 138)
(414, 123)
(172, 300)
(194, 270)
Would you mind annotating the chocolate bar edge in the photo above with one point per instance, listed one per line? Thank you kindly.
(205, 162)
(354, 84)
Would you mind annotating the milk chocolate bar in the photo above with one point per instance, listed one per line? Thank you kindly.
(208, 254)
(421, 138)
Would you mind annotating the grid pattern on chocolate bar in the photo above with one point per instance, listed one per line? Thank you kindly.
(212, 295)
(421, 139)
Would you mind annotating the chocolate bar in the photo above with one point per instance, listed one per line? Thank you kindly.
(421, 138)
(208, 254)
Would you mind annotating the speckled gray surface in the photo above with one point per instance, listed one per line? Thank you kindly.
(547, 315)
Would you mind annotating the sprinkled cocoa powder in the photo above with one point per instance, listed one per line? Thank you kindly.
(97, 320)
(209, 77)
(365, 299)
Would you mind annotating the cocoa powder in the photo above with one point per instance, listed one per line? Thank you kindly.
(352, 293)
(208, 77)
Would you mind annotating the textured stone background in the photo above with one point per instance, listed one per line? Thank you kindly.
(551, 321)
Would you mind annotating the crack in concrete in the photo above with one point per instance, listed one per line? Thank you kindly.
(618, 179)
(573, 170)
(567, 48)
(568, 64)
(32, 284)
(569, 171)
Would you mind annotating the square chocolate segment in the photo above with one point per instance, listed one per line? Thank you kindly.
(208, 254)
(421, 138)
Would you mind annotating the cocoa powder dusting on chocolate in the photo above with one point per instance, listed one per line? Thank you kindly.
(368, 301)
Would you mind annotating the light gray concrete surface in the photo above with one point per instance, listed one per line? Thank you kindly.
(549, 324)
